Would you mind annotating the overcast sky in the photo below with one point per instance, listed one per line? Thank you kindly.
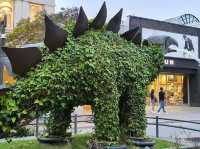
(154, 9)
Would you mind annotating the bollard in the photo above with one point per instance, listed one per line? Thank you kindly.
(75, 124)
(157, 127)
(37, 127)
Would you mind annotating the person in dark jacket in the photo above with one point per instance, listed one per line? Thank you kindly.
(161, 100)
(152, 101)
(188, 43)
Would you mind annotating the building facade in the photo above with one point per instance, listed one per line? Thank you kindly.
(15, 10)
(180, 76)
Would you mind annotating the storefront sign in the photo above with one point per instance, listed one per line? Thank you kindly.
(180, 63)
(169, 62)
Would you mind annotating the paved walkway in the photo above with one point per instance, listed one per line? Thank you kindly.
(174, 112)
(22, 138)
(177, 112)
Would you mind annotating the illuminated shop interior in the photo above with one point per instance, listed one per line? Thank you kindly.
(175, 87)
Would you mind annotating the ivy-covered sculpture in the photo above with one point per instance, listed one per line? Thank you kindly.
(94, 66)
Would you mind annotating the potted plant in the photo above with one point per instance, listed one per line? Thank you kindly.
(93, 144)
(143, 142)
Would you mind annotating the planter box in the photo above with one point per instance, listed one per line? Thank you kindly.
(103, 145)
(121, 147)
(143, 142)
(55, 139)
(52, 140)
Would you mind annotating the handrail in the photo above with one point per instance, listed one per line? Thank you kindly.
(174, 126)
(157, 123)
(177, 120)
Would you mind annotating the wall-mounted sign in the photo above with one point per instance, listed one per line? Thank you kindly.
(169, 62)
(174, 44)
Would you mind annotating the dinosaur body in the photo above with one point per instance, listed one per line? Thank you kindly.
(98, 68)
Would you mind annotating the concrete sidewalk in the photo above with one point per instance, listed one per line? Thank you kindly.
(181, 113)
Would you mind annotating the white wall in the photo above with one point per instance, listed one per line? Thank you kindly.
(21, 10)
(50, 7)
(38, 1)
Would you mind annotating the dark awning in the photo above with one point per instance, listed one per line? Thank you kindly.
(180, 65)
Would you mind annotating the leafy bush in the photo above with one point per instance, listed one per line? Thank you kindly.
(20, 132)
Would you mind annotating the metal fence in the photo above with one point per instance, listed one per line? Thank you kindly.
(88, 119)
(159, 123)
(78, 119)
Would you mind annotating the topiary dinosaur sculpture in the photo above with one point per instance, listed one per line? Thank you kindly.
(87, 63)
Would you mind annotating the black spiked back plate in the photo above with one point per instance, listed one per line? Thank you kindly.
(100, 19)
(129, 35)
(138, 38)
(55, 37)
(81, 24)
(115, 22)
(22, 59)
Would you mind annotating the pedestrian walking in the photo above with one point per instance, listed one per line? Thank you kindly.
(152, 101)
(161, 100)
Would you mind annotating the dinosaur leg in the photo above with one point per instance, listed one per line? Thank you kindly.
(136, 115)
(106, 117)
(123, 113)
(58, 122)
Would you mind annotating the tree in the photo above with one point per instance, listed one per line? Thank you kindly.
(66, 14)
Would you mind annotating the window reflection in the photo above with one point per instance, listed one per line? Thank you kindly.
(34, 10)
(6, 8)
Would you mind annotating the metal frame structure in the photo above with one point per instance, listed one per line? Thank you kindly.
(188, 19)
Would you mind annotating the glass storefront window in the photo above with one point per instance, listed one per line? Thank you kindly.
(162, 79)
(174, 86)
(35, 9)
(6, 8)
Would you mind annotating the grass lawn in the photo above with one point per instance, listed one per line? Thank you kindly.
(79, 142)
(163, 144)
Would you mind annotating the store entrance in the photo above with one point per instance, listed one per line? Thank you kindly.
(175, 87)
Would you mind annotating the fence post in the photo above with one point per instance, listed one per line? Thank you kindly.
(75, 124)
(37, 127)
(157, 127)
